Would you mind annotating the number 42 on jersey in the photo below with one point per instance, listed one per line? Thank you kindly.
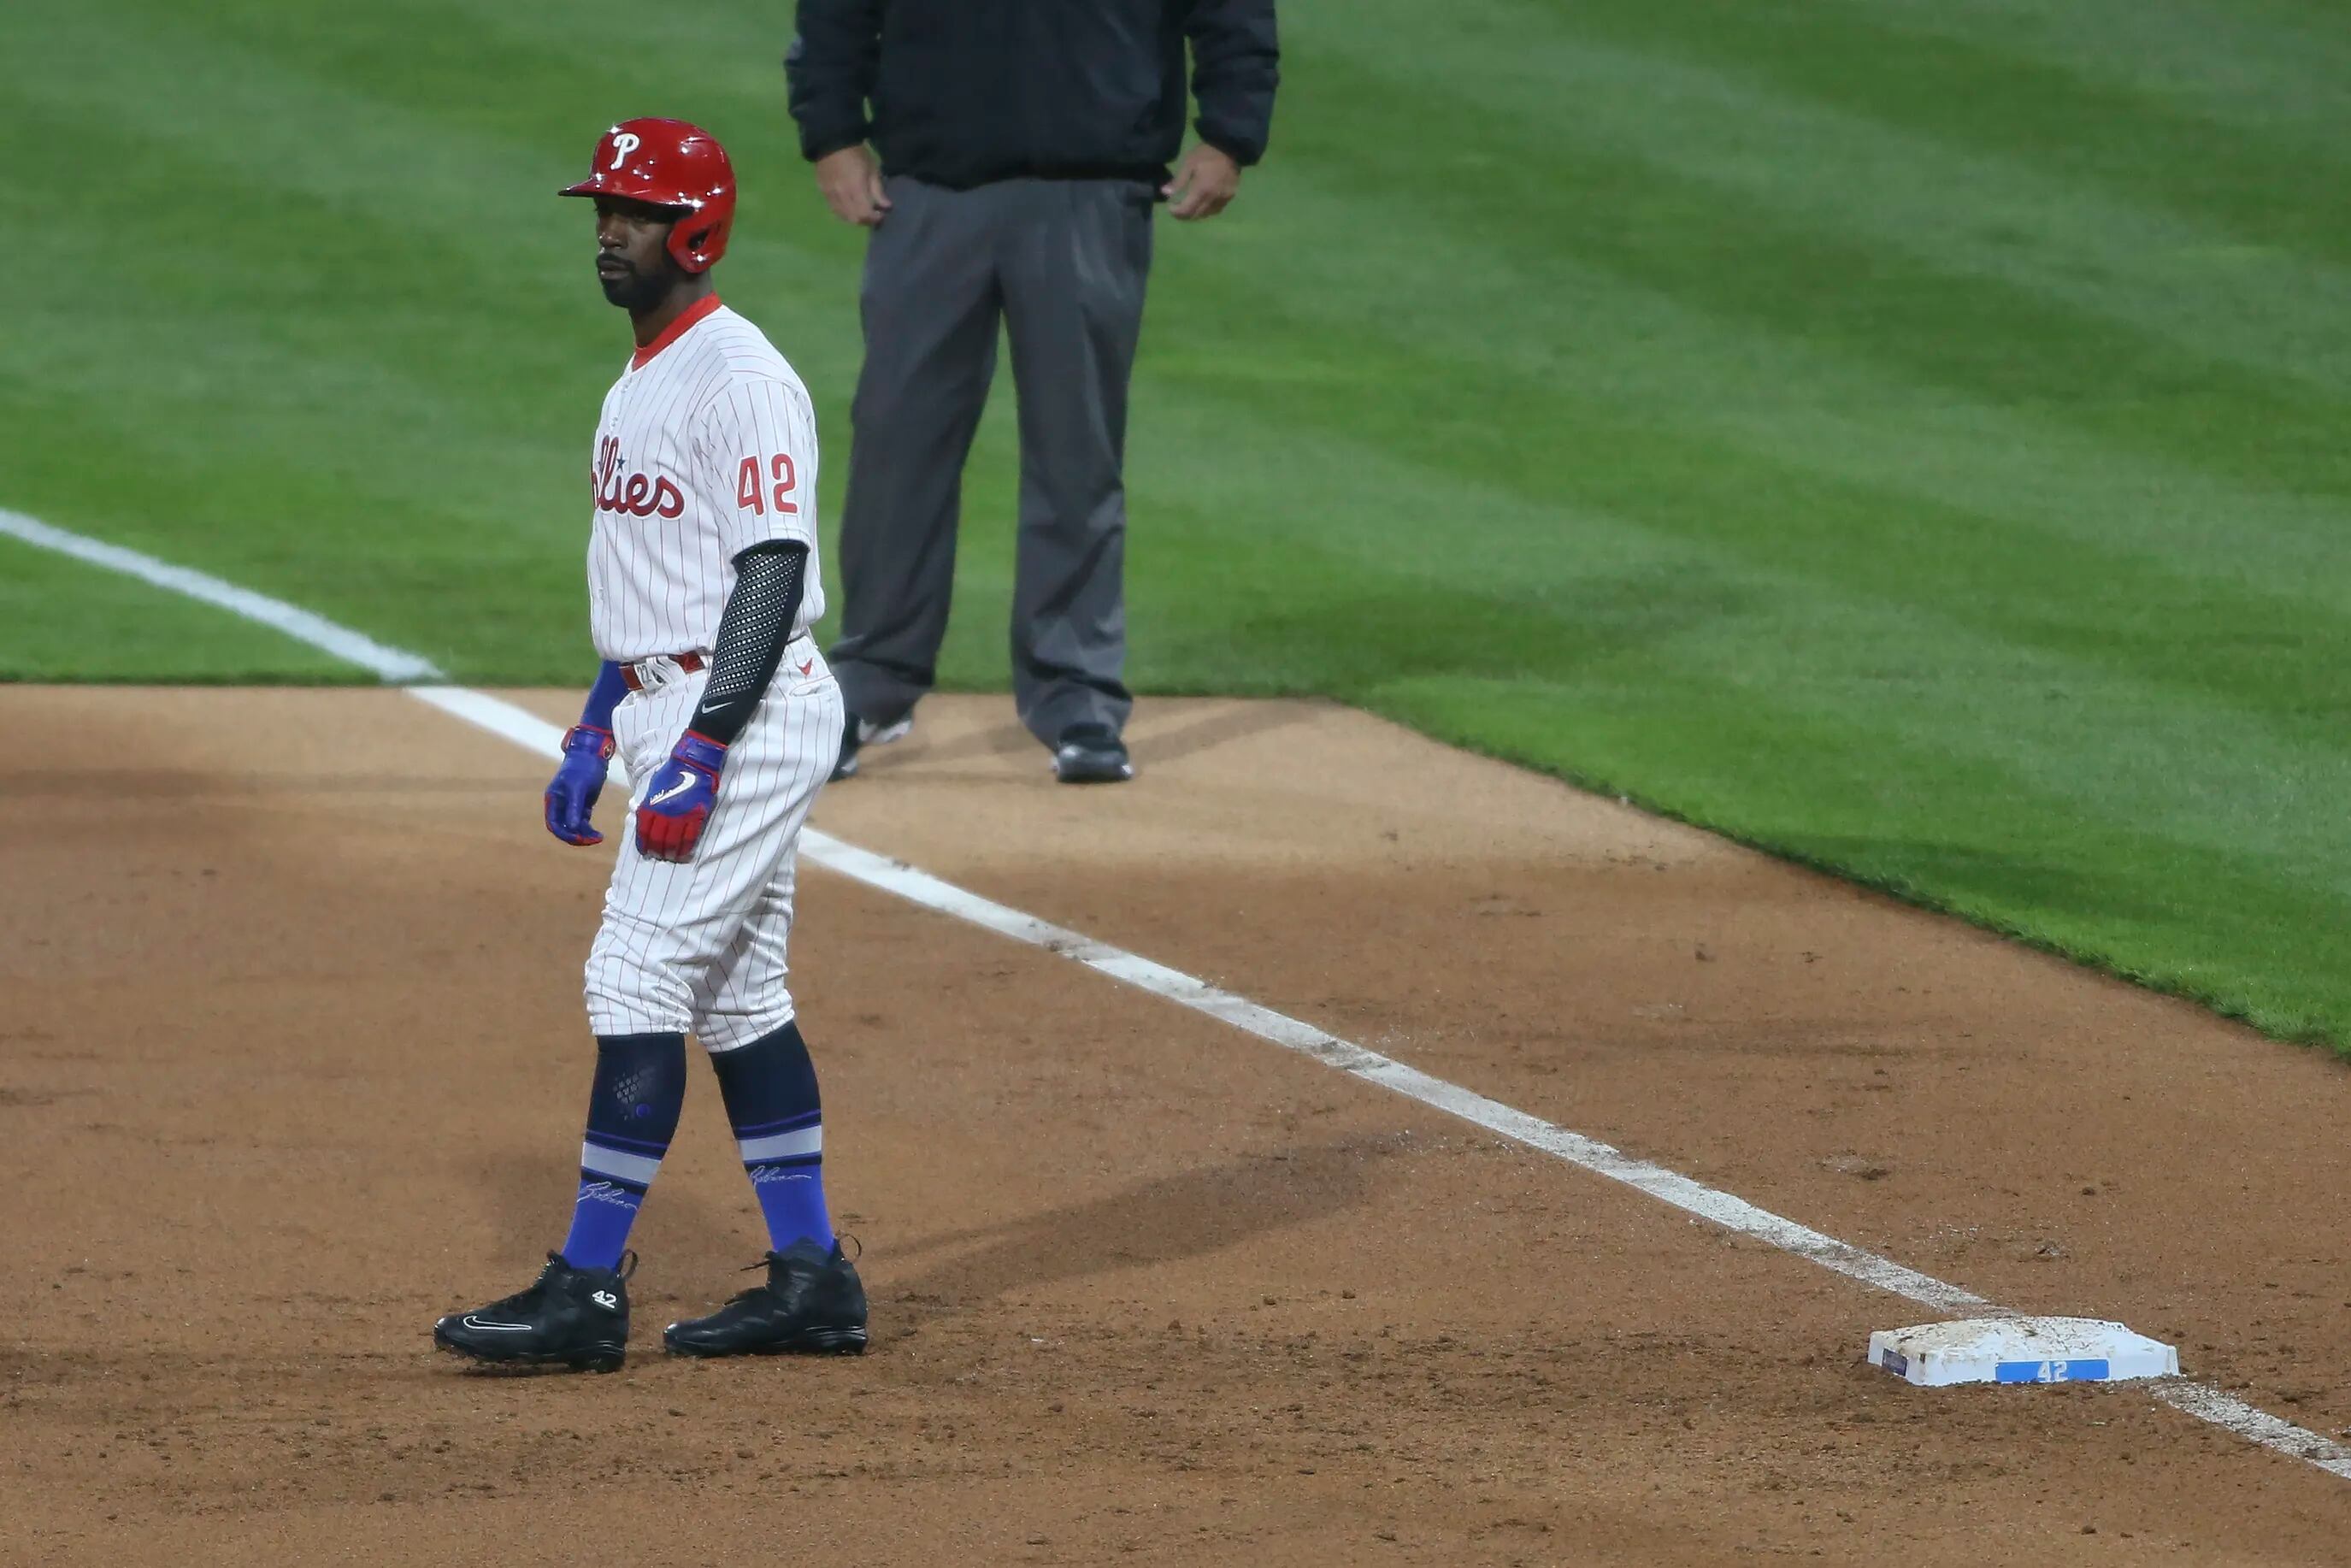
(750, 490)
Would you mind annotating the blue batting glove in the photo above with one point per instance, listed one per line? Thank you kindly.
(571, 797)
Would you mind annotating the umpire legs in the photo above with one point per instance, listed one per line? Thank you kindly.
(1064, 262)
(1076, 255)
(929, 306)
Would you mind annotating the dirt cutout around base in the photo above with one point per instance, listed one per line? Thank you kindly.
(292, 1061)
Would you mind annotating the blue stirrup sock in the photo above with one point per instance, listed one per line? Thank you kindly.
(631, 1116)
(769, 1087)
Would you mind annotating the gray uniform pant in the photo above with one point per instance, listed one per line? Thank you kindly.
(1063, 262)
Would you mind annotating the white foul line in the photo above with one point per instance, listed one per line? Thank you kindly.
(1731, 1213)
(300, 625)
(532, 733)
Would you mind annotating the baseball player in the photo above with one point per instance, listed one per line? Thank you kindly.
(702, 582)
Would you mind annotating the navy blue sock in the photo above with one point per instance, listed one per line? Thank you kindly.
(770, 1091)
(631, 1116)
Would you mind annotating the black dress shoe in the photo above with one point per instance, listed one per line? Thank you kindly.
(857, 734)
(1091, 753)
(812, 1305)
(569, 1317)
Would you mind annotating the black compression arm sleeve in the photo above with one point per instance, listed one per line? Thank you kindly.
(758, 622)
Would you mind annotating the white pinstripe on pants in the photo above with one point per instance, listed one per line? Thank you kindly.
(700, 947)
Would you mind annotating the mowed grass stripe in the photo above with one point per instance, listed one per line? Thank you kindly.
(2272, 655)
(1748, 258)
(2279, 69)
(495, 254)
(491, 132)
(1573, 107)
(359, 470)
(1912, 321)
(2212, 769)
(529, 92)
(1559, 333)
(1980, 96)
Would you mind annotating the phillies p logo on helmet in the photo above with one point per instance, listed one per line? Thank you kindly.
(670, 163)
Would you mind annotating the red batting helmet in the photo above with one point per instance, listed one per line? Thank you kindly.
(672, 164)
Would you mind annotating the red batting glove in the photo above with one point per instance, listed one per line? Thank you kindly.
(678, 802)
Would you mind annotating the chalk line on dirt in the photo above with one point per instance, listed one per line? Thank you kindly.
(1732, 1213)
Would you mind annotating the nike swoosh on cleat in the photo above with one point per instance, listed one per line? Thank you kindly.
(473, 1323)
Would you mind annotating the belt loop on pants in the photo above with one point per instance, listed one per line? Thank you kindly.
(648, 672)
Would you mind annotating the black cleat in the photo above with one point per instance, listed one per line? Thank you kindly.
(569, 1317)
(1091, 753)
(812, 1305)
(856, 733)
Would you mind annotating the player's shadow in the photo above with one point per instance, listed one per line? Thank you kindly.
(531, 1198)
(1152, 742)
(1219, 726)
(918, 750)
(1166, 1220)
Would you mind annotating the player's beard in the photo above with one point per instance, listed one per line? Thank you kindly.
(635, 292)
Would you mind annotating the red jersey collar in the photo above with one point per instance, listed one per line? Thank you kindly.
(675, 330)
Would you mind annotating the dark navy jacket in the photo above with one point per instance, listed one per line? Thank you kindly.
(965, 92)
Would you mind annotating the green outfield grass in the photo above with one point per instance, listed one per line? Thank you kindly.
(1907, 434)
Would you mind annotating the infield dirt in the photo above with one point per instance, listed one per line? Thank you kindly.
(291, 1060)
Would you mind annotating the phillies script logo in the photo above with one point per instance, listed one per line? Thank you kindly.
(633, 493)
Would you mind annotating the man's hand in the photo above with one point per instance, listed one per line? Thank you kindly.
(851, 180)
(678, 802)
(1204, 185)
(572, 798)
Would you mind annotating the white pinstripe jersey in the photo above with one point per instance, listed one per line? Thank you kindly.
(707, 446)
